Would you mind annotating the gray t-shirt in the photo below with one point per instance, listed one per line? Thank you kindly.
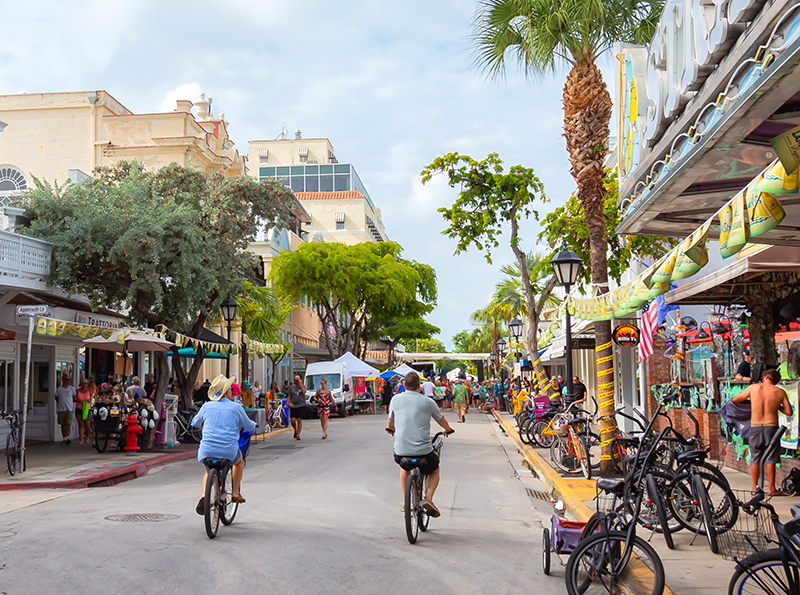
(64, 396)
(297, 395)
(412, 413)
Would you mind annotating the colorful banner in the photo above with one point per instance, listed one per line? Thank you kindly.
(789, 439)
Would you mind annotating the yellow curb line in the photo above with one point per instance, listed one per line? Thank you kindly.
(272, 433)
(572, 491)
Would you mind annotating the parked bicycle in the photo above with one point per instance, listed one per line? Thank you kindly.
(14, 442)
(184, 428)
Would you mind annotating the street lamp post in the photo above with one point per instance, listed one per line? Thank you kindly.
(229, 314)
(566, 265)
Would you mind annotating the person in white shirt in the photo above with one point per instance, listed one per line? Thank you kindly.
(65, 405)
(428, 388)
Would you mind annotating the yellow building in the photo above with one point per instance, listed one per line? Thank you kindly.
(333, 194)
(64, 136)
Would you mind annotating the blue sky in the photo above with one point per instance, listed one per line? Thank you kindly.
(391, 84)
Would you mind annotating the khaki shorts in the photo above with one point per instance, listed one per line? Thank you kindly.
(64, 418)
(460, 407)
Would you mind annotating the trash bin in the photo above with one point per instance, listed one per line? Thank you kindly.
(170, 406)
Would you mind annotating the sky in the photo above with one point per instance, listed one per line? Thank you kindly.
(391, 84)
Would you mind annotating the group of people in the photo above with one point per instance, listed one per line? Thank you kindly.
(454, 395)
(72, 403)
(300, 410)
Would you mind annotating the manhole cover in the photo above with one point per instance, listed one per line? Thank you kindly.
(537, 495)
(142, 518)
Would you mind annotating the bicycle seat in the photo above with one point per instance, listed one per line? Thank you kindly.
(628, 440)
(578, 421)
(218, 464)
(691, 456)
(611, 486)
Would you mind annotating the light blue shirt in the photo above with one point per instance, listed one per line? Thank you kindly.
(412, 414)
(222, 421)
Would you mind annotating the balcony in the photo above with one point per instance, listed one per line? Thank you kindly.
(24, 258)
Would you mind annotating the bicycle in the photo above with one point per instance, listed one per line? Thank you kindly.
(13, 440)
(184, 428)
(570, 451)
(218, 504)
(276, 417)
(416, 519)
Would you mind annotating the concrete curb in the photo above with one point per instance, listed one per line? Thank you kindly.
(119, 475)
(572, 491)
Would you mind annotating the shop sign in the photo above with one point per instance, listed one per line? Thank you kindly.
(95, 320)
(787, 146)
(23, 313)
(689, 41)
(298, 364)
(626, 335)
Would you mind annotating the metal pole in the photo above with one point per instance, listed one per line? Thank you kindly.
(23, 461)
(568, 381)
(228, 364)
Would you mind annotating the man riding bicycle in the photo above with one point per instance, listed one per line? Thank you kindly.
(410, 416)
(222, 421)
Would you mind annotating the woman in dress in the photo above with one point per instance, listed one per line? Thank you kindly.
(323, 398)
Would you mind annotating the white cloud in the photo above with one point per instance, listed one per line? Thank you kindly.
(190, 91)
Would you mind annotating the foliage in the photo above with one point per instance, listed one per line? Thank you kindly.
(165, 246)
(509, 293)
(262, 315)
(545, 34)
(478, 340)
(488, 199)
(429, 346)
(352, 284)
(567, 225)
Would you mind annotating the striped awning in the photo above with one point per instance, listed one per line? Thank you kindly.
(339, 217)
(263, 153)
(303, 151)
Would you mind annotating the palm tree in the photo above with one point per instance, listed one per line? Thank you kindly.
(542, 35)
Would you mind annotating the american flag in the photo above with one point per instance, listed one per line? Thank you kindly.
(649, 324)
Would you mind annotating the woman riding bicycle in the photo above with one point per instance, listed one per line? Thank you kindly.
(222, 421)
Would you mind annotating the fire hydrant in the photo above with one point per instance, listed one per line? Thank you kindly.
(133, 430)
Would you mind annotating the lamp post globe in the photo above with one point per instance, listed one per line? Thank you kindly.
(228, 308)
(515, 328)
(501, 345)
(566, 265)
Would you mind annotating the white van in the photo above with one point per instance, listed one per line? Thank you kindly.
(339, 382)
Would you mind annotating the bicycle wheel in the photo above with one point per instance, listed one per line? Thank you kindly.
(211, 504)
(680, 502)
(598, 565)
(544, 440)
(655, 500)
(410, 508)
(12, 445)
(562, 456)
(524, 434)
(592, 441)
(583, 457)
(546, 551)
(701, 495)
(762, 572)
(227, 505)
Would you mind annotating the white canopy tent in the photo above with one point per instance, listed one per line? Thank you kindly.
(357, 368)
(403, 369)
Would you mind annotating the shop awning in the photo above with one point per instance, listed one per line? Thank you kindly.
(190, 353)
(726, 285)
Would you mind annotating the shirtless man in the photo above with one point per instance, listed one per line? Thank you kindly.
(767, 400)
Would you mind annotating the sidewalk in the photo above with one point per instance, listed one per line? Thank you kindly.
(77, 466)
(690, 567)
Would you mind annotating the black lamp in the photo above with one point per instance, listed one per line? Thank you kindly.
(228, 308)
(719, 328)
(566, 265)
(790, 311)
(501, 345)
(515, 327)
(702, 335)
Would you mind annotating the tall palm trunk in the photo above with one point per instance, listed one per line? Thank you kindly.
(587, 111)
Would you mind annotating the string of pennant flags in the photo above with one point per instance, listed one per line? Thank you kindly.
(52, 327)
(754, 211)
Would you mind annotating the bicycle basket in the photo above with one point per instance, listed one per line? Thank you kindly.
(605, 502)
(751, 533)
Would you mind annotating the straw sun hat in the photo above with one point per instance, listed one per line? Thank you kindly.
(219, 386)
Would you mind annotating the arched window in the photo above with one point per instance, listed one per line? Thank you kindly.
(12, 180)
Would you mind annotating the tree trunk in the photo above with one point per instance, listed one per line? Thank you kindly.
(244, 358)
(533, 312)
(587, 111)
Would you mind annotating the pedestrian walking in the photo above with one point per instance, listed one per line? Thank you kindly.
(83, 396)
(323, 398)
(439, 394)
(297, 406)
(386, 395)
(65, 405)
(461, 400)
(767, 400)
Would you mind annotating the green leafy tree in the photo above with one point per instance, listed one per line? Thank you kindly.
(567, 225)
(489, 199)
(350, 284)
(166, 246)
(262, 314)
(406, 330)
(540, 36)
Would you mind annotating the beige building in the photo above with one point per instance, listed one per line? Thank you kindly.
(64, 136)
(333, 194)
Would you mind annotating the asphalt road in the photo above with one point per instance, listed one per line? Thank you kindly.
(321, 517)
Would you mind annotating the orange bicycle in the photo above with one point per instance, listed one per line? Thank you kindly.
(569, 450)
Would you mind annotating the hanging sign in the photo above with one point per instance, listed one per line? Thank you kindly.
(626, 335)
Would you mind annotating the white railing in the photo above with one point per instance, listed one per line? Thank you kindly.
(24, 257)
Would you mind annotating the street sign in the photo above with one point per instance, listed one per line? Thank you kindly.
(40, 310)
(298, 364)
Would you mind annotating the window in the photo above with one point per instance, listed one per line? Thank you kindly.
(312, 183)
(12, 181)
(7, 385)
(339, 225)
(342, 183)
(326, 183)
(341, 169)
(298, 184)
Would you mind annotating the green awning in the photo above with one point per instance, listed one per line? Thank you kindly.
(188, 352)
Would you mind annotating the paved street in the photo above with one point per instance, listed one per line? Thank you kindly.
(321, 517)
